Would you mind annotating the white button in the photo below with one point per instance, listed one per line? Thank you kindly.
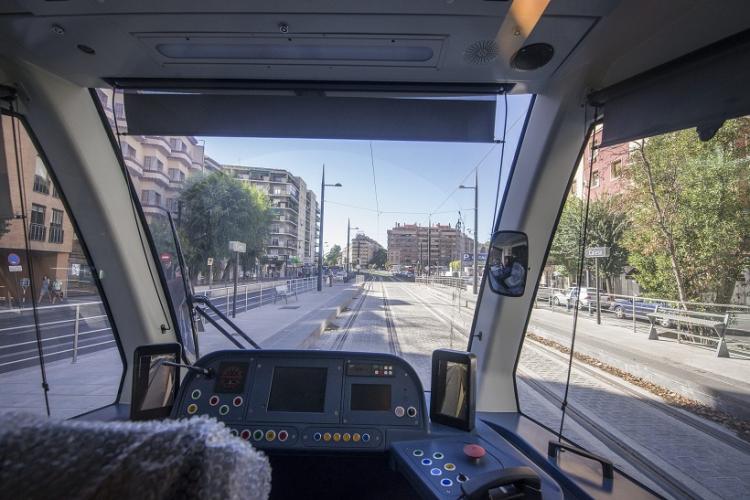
(399, 411)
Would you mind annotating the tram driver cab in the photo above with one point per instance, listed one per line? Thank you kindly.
(115, 97)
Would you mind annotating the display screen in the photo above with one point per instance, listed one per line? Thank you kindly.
(455, 398)
(297, 388)
(159, 380)
(231, 378)
(371, 397)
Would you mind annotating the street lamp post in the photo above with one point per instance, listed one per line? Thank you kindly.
(349, 245)
(475, 187)
(320, 236)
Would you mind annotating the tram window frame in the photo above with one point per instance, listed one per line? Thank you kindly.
(60, 194)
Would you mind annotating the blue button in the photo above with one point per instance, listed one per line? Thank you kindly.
(426, 461)
(446, 482)
(435, 471)
(317, 436)
(365, 437)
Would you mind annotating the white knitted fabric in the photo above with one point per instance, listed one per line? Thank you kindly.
(169, 459)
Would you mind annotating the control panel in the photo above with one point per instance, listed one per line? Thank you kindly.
(307, 399)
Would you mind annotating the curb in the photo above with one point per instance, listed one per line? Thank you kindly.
(314, 335)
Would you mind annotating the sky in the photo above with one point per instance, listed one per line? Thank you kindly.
(411, 179)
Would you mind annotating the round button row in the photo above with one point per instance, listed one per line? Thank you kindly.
(399, 411)
(214, 400)
(346, 437)
(258, 435)
(437, 455)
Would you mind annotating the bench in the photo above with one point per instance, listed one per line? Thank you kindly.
(679, 317)
(283, 291)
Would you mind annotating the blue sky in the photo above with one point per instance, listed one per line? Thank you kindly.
(412, 178)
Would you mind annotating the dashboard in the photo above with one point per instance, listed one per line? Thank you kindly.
(297, 401)
(333, 403)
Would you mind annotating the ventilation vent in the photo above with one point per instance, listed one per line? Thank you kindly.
(481, 52)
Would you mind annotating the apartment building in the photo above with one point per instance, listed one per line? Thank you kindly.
(363, 250)
(48, 226)
(409, 244)
(158, 165)
(290, 249)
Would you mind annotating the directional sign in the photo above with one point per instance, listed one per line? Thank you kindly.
(210, 261)
(165, 257)
(597, 252)
(15, 269)
(13, 259)
(237, 246)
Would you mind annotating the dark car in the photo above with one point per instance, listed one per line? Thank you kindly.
(624, 308)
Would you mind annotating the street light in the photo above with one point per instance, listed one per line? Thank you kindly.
(348, 246)
(320, 236)
(475, 187)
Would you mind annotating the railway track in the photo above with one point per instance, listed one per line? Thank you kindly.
(341, 340)
(390, 325)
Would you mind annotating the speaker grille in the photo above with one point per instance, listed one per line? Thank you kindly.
(481, 52)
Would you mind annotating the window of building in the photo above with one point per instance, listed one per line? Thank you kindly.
(176, 144)
(120, 111)
(128, 151)
(41, 180)
(615, 169)
(153, 164)
(595, 179)
(82, 362)
(56, 233)
(149, 197)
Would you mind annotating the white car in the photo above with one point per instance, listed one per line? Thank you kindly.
(585, 296)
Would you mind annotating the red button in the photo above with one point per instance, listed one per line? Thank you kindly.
(474, 451)
(245, 434)
(283, 435)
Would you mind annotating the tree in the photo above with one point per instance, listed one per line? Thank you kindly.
(379, 258)
(607, 225)
(689, 210)
(217, 209)
(333, 256)
(455, 265)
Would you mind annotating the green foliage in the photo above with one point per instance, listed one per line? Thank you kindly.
(333, 256)
(689, 211)
(380, 258)
(217, 209)
(455, 265)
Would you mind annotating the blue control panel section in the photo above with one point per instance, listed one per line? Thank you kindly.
(438, 467)
(283, 399)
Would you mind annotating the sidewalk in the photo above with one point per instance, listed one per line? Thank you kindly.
(93, 381)
(293, 325)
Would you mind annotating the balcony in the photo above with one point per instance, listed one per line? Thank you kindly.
(158, 141)
(37, 232)
(56, 233)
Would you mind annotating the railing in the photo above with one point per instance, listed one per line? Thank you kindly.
(37, 232)
(56, 234)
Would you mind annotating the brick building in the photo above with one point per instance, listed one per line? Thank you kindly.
(408, 244)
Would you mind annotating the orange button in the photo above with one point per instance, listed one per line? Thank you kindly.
(327, 436)
(337, 437)
(356, 437)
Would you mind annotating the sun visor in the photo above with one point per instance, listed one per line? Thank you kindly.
(311, 117)
(701, 89)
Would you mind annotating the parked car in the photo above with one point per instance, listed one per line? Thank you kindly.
(587, 295)
(623, 309)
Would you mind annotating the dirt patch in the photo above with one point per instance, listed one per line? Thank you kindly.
(740, 426)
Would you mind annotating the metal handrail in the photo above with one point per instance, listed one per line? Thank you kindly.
(202, 299)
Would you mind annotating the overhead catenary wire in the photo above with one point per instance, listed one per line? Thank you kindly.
(502, 157)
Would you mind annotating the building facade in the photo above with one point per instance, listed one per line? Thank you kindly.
(159, 166)
(363, 250)
(409, 245)
(290, 249)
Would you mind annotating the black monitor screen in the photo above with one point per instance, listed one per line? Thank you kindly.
(371, 397)
(297, 388)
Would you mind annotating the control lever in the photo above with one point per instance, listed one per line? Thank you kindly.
(554, 448)
(513, 482)
(206, 372)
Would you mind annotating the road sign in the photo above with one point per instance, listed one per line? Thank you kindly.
(237, 246)
(13, 259)
(15, 269)
(597, 252)
(166, 257)
(210, 261)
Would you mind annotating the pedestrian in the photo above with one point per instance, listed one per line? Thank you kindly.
(45, 289)
(57, 290)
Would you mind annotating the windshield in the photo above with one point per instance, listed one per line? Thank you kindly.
(395, 221)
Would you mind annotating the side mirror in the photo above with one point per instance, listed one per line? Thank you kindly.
(508, 263)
